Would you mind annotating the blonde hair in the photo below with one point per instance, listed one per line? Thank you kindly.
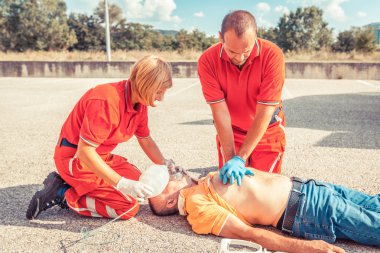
(148, 76)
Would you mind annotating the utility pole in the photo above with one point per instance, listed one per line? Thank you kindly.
(108, 37)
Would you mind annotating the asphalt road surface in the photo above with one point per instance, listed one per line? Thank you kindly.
(333, 134)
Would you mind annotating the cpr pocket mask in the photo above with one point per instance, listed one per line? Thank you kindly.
(156, 176)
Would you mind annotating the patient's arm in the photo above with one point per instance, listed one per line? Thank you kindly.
(236, 229)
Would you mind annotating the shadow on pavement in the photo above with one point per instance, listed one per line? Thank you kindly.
(199, 122)
(15, 201)
(352, 119)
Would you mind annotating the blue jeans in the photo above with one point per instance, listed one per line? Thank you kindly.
(329, 212)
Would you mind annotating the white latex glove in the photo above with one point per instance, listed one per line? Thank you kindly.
(134, 188)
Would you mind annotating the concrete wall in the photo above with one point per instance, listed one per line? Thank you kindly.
(333, 70)
(317, 70)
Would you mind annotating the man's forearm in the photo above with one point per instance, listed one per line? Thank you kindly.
(276, 242)
(222, 122)
(226, 139)
(252, 138)
(256, 131)
(236, 229)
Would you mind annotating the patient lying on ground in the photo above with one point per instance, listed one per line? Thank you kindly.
(263, 199)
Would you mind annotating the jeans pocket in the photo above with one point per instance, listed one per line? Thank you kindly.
(315, 231)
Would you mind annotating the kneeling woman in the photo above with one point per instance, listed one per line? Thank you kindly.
(92, 181)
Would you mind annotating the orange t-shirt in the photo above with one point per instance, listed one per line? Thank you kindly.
(260, 81)
(104, 117)
(206, 211)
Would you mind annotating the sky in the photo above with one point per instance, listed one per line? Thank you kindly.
(207, 15)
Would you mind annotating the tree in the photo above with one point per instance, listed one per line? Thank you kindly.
(304, 29)
(36, 25)
(8, 23)
(346, 42)
(89, 32)
(43, 25)
(182, 40)
(195, 40)
(200, 41)
(58, 36)
(135, 36)
(365, 39)
(115, 13)
(268, 34)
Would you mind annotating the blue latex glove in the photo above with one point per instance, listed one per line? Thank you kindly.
(233, 170)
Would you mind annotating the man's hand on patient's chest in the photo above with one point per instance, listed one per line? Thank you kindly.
(233, 170)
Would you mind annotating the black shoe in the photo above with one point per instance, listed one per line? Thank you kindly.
(47, 197)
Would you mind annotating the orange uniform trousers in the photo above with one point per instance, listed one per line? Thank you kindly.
(90, 195)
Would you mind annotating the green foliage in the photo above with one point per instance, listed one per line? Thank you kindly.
(303, 30)
(89, 32)
(10, 11)
(196, 40)
(44, 25)
(365, 39)
(268, 34)
(131, 36)
(115, 13)
(359, 39)
(345, 42)
(34, 25)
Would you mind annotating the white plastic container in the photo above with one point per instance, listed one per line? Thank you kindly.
(227, 245)
(156, 176)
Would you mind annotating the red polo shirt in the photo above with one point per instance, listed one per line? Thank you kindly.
(260, 81)
(105, 117)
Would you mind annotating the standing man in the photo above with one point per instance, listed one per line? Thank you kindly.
(242, 78)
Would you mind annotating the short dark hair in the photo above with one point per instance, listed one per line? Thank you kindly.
(161, 210)
(240, 21)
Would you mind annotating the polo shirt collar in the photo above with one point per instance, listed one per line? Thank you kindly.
(183, 194)
(255, 52)
(128, 100)
(181, 204)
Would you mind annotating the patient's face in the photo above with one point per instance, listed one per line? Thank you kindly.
(173, 188)
(177, 184)
(166, 202)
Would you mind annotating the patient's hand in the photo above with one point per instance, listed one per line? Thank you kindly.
(319, 246)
